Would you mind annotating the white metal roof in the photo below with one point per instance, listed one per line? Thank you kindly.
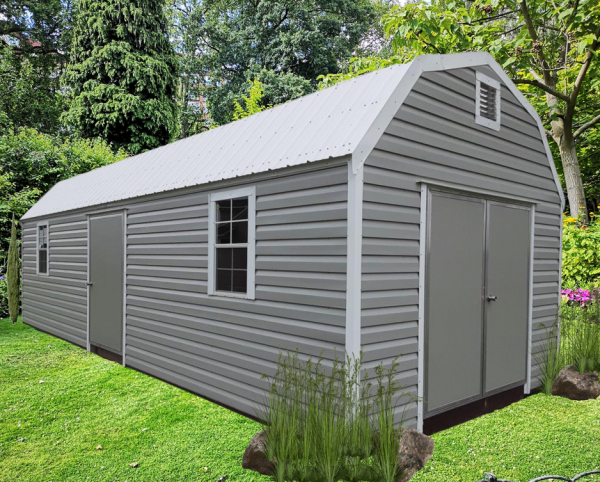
(346, 119)
(322, 125)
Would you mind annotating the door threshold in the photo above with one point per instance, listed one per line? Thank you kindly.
(472, 410)
(107, 354)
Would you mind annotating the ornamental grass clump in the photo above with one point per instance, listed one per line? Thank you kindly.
(323, 423)
(580, 335)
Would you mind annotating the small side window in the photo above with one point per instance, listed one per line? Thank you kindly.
(42, 248)
(487, 103)
(231, 243)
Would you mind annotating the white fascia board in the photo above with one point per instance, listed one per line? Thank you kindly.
(436, 63)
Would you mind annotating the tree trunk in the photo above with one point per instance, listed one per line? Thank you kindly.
(568, 155)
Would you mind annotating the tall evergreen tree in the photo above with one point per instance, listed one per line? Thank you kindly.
(13, 275)
(123, 74)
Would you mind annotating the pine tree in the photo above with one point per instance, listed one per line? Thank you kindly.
(13, 275)
(123, 74)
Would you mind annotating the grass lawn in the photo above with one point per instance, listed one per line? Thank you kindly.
(49, 431)
(85, 401)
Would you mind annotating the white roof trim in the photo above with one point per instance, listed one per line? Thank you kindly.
(435, 63)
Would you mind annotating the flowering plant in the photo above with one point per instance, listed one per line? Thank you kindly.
(580, 296)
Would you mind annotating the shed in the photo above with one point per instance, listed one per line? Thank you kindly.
(414, 212)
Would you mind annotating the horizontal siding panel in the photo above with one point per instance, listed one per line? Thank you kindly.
(388, 264)
(181, 249)
(56, 329)
(313, 264)
(384, 316)
(388, 195)
(305, 247)
(311, 297)
(194, 286)
(381, 229)
(307, 197)
(389, 281)
(199, 211)
(167, 272)
(312, 180)
(386, 212)
(193, 224)
(161, 205)
(378, 334)
(390, 247)
(169, 261)
(298, 279)
(198, 236)
(303, 214)
(323, 230)
(380, 299)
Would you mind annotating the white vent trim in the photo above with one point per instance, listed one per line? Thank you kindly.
(494, 84)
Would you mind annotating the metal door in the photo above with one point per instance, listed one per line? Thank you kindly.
(507, 294)
(105, 280)
(454, 301)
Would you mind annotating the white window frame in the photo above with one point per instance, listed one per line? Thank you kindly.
(479, 119)
(37, 249)
(250, 193)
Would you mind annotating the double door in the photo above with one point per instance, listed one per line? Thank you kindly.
(477, 299)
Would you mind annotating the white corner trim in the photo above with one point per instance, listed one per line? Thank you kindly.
(421, 333)
(530, 307)
(354, 261)
(250, 193)
(124, 341)
(479, 119)
(88, 345)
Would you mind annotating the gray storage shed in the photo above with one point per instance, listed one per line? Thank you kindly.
(412, 211)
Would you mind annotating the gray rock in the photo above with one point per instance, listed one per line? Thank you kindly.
(576, 386)
(416, 449)
(254, 456)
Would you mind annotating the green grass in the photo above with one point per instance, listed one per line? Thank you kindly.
(541, 435)
(85, 401)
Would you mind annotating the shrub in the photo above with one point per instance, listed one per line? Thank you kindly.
(324, 424)
(581, 252)
(3, 297)
(580, 335)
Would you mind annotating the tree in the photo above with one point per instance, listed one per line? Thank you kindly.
(13, 275)
(549, 48)
(284, 44)
(123, 74)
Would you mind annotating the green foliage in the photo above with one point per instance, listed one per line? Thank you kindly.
(581, 253)
(13, 275)
(548, 358)
(322, 423)
(3, 294)
(123, 74)
(29, 92)
(31, 163)
(252, 102)
(287, 42)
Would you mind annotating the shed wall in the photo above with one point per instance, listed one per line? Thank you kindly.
(214, 346)
(434, 137)
(57, 303)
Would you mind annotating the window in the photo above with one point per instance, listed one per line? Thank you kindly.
(487, 103)
(42, 248)
(231, 243)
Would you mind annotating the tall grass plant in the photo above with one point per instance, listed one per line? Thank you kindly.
(323, 423)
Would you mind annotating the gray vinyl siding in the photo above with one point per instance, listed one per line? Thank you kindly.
(219, 347)
(434, 137)
(57, 303)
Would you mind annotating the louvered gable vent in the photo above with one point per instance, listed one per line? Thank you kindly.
(487, 106)
(488, 101)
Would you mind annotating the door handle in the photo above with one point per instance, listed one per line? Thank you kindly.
(492, 298)
(89, 283)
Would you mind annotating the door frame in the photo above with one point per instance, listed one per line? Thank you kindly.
(426, 188)
(101, 214)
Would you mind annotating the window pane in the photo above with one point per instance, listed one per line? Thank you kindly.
(224, 233)
(43, 261)
(239, 280)
(240, 208)
(239, 232)
(240, 258)
(224, 210)
(224, 256)
(224, 280)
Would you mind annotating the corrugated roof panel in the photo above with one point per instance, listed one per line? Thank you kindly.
(326, 124)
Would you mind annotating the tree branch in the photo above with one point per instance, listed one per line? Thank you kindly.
(534, 37)
(544, 87)
(587, 125)
(581, 75)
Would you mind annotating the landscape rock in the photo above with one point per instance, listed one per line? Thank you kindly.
(254, 456)
(576, 386)
(416, 449)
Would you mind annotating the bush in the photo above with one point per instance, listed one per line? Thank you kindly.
(323, 424)
(3, 296)
(581, 252)
(31, 163)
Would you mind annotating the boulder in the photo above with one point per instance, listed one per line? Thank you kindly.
(576, 386)
(416, 449)
(254, 456)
